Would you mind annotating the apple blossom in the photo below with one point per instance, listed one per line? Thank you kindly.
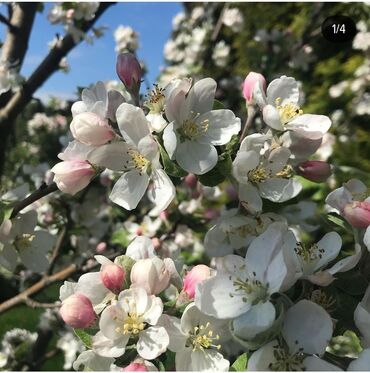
(358, 213)
(129, 71)
(138, 159)
(194, 277)
(77, 311)
(112, 277)
(249, 84)
(195, 128)
(140, 365)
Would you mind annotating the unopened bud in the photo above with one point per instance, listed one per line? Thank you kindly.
(101, 247)
(250, 83)
(197, 274)
(191, 181)
(77, 311)
(112, 277)
(129, 71)
(358, 214)
(317, 171)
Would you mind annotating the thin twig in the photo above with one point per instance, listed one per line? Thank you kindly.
(43, 191)
(34, 304)
(251, 111)
(5, 20)
(57, 248)
(220, 20)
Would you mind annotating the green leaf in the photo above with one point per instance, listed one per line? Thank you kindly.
(170, 167)
(335, 219)
(126, 263)
(219, 173)
(240, 364)
(119, 237)
(217, 105)
(85, 336)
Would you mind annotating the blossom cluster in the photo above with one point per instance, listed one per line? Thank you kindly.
(145, 304)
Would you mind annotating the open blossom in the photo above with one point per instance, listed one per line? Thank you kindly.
(77, 311)
(138, 159)
(135, 314)
(307, 330)
(197, 339)
(242, 284)
(195, 128)
(281, 111)
(75, 172)
(262, 168)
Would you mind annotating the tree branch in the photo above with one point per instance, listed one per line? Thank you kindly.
(43, 191)
(5, 20)
(47, 67)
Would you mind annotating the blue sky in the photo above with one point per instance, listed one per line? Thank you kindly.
(90, 63)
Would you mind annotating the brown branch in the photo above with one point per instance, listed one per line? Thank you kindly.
(34, 304)
(57, 247)
(47, 67)
(45, 281)
(43, 191)
(24, 296)
(6, 21)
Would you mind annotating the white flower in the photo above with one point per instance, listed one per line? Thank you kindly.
(19, 239)
(138, 158)
(134, 315)
(126, 39)
(241, 284)
(281, 110)
(261, 167)
(70, 347)
(362, 318)
(148, 227)
(196, 340)
(221, 53)
(93, 362)
(195, 128)
(233, 18)
(307, 329)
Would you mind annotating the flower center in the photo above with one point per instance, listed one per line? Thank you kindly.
(190, 130)
(284, 361)
(288, 111)
(309, 254)
(324, 300)
(156, 100)
(132, 324)
(137, 161)
(258, 174)
(202, 337)
(253, 289)
(23, 241)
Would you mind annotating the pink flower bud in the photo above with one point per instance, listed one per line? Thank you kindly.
(211, 214)
(112, 277)
(150, 274)
(317, 171)
(101, 247)
(77, 311)
(198, 274)
(135, 367)
(358, 214)
(129, 71)
(164, 215)
(72, 176)
(249, 84)
(191, 181)
(90, 129)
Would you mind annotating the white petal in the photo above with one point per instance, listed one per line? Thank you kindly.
(113, 156)
(195, 157)
(271, 117)
(347, 263)
(262, 358)
(307, 325)
(110, 321)
(154, 310)
(208, 361)
(279, 190)
(216, 242)
(331, 244)
(362, 363)
(339, 198)
(367, 238)
(137, 296)
(315, 364)
(258, 319)
(285, 88)
(170, 140)
(152, 342)
(115, 99)
(173, 327)
(244, 162)
(176, 92)
(129, 189)
(217, 297)
(277, 159)
(91, 361)
(132, 123)
(163, 191)
(140, 248)
(201, 96)
(8, 257)
(222, 126)
(107, 347)
(91, 286)
(148, 147)
(310, 125)
(183, 360)
(156, 121)
(250, 198)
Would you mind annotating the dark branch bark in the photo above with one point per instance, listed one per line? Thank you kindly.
(5, 20)
(47, 67)
(43, 191)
